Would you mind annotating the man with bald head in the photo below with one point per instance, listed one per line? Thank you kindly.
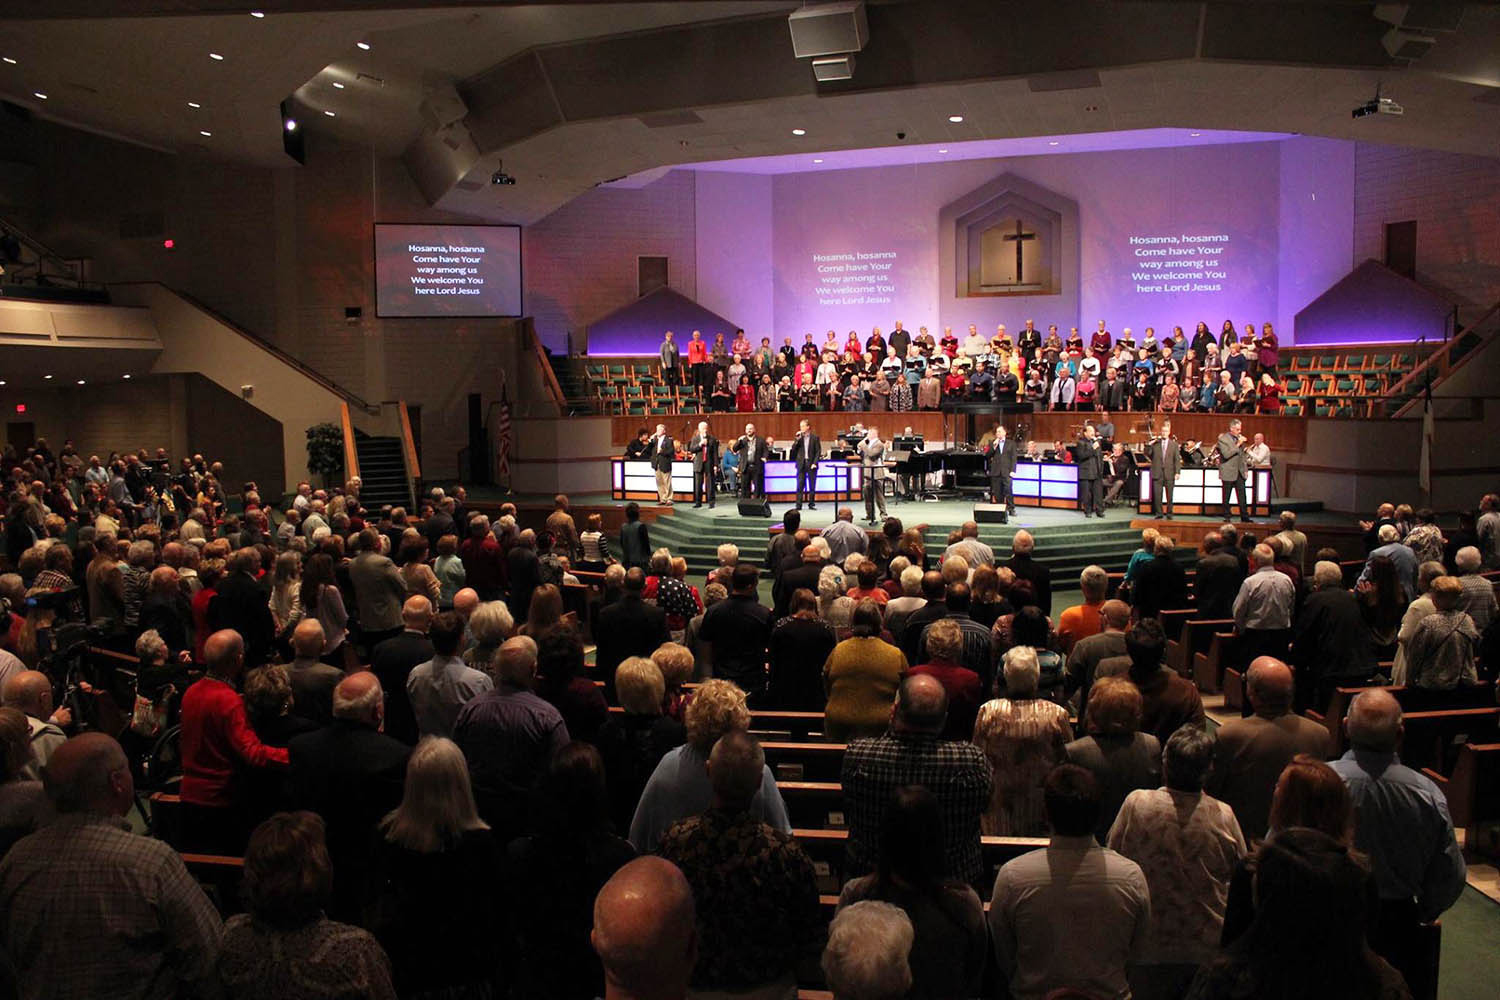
(89, 909)
(313, 680)
(645, 932)
(1252, 752)
(351, 774)
(1090, 651)
(1404, 829)
(30, 691)
(912, 752)
(393, 661)
(217, 744)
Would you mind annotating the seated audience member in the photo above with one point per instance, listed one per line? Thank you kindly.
(948, 953)
(634, 741)
(1330, 643)
(801, 644)
(1022, 736)
(440, 867)
(679, 787)
(861, 676)
(1478, 601)
(1119, 756)
(312, 679)
(1308, 935)
(913, 752)
(1083, 620)
(1441, 652)
(284, 946)
(1251, 753)
(30, 691)
(739, 629)
(24, 807)
(645, 932)
(351, 774)
(490, 624)
(1083, 662)
(756, 894)
(1187, 844)
(217, 742)
(509, 735)
(1043, 901)
(628, 627)
(558, 872)
(393, 661)
(1168, 700)
(944, 642)
(1403, 828)
(1309, 793)
(90, 909)
(868, 952)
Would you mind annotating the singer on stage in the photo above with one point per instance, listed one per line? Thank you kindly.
(1000, 464)
(806, 451)
(753, 450)
(1090, 467)
(704, 448)
(1165, 454)
(872, 464)
(1231, 449)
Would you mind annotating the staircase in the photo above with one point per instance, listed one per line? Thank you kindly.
(572, 377)
(1406, 396)
(382, 468)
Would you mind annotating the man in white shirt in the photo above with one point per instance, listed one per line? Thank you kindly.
(1072, 914)
(1263, 608)
(441, 686)
(974, 344)
(1259, 453)
(843, 537)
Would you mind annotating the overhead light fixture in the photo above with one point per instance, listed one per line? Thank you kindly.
(257, 13)
(194, 104)
(362, 45)
(80, 382)
(215, 57)
(39, 95)
(1052, 142)
(942, 151)
(330, 114)
(46, 376)
(205, 133)
(125, 376)
(817, 159)
(337, 85)
(955, 119)
(799, 131)
(2, 381)
(1195, 134)
(291, 124)
(8, 60)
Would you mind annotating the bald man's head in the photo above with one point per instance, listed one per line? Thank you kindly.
(416, 613)
(29, 691)
(359, 698)
(224, 653)
(1116, 614)
(1270, 686)
(921, 704)
(465, 601)
(308, 639)
(1374, 721)
(645, 930)
(90, 773)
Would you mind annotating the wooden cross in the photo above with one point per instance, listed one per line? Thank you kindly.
(1019, 238)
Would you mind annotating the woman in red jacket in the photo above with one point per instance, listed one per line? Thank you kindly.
(1270, 394)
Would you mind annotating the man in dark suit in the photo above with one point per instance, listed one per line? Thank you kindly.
(806, 451)
(704, 448)
(804, 574)
(1112, 392)
(351, 774)
(660, 452)
(1232, 466)
(1090, 468)
(1165, 454)
(1022, 544)
(1218, 579)
(753, 450)
(1000, 464)
(242, 603)
(392, 663)
(629, 627)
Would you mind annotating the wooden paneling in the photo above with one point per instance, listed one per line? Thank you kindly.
(781, 426)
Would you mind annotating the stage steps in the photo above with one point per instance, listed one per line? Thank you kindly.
(382, 468)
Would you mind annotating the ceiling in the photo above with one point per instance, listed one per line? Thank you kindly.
(570, 95)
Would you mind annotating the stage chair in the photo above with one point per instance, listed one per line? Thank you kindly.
(1380, 361)
(1354, 362)
(1344, 387)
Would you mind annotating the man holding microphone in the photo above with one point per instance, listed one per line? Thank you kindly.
(806, 451)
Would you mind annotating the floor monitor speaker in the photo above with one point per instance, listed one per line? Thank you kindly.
(990, 513)
(755, 508)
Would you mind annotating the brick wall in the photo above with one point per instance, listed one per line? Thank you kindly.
(580, 261)
(1455, 200)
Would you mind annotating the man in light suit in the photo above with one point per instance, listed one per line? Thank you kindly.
(1000, 463)
(1231, 449)
(806, 451)
(1090, 467)
(704, 448)
(872, 464)
(660, 453)
(671, 360)
(753, 450)
(1165, 454)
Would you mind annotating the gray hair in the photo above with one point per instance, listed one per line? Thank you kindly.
(736, 765)
(1327, 574)
(911, 581)
(360, 708)
(1187, 757)
(868, 952)
(150, 645)
(1022, 542)
(491, 622)
(1427, 572)
(821, 544)
(1093, 580)
(851, 563)
(1023, 674)
(515, 661)
(1388, 533)
(729, 553)
(1467, 559)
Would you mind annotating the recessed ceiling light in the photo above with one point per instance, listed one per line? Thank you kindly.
(194, 104)
(362, 45)
(124, 376)
(2, 381)
(817, 159)
(39, 95)
(257, 13)
(955, 119)
(1195, 134)
(46, 376)
(205, 133)
(1052, 142)
(215, 57)
(942, 151)
(337, 85)
(80, 382)
(330, 114)
(799, 131)
(7, 60)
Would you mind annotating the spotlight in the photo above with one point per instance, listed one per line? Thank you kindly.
(46, 376)
(215, 57)
(942, 151)
(80, 382)
(168, 243)
(1052, 142)
(194, 105)
(501, 177)
(39, 95)
(337, 85)
(330, 114)
(257, 13)
(205, 133)
(125, 376)
(8, 60)
(291, 124)
(799, 131)
(817, 159)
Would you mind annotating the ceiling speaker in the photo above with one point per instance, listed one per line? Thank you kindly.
(833, 68)
(442, 106)
(828, 29)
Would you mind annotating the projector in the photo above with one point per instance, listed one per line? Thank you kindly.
(1378, 106)
(501, 177)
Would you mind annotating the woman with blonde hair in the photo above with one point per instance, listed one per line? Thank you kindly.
(440, 914)
(634, 741)
(286, 594)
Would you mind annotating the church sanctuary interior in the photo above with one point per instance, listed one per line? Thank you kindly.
(749, 500)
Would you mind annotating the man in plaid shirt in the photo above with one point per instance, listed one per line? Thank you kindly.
(90, 909)
(912, 753)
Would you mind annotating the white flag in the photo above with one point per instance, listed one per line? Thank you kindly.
(1424, 467)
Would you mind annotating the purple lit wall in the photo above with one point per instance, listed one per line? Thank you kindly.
(1373, 305)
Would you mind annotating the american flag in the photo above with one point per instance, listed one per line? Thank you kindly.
(502, 439)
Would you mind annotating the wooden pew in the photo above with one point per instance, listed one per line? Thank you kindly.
(1197, 634)
(1173, 621)
(813, 805)
(805, 761)
(826, 848)
(775, 724)
(1432, 739)
(1411, 700)
(1473, 793)
(220, 876)
(1209, 667)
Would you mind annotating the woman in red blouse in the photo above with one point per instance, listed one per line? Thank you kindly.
(1270, 394)
(949, 343)
(744, 397)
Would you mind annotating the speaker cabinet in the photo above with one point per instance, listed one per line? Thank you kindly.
(754, 508)
(828, 29)
(990, 513)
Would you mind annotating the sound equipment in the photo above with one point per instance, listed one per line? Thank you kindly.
(828, 29)
(754, 508)
(990, 513)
